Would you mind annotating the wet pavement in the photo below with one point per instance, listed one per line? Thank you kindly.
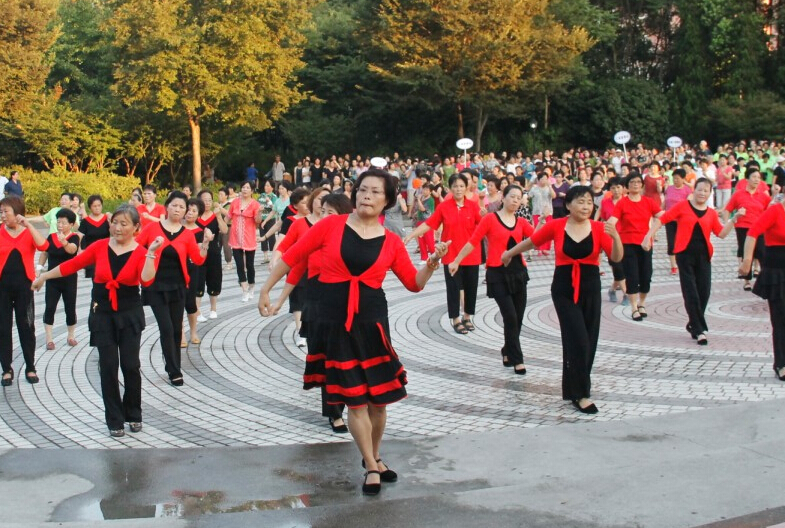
(686, 436)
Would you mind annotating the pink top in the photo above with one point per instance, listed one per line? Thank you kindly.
(674, 195)
(242, 234)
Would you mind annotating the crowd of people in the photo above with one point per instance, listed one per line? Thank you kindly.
(335, 227)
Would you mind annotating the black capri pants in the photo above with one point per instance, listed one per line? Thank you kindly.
(464, 279)
(637, 268)
(269, 244)
(670, 236)
(209, 275)
(760, 245)
(244, 262)
(64, 287)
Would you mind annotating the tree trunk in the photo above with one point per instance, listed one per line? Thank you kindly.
(547, 106)
(196, 150)
(460, 121)
(482, 120)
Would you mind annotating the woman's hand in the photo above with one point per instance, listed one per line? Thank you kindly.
(744, 267)
(22, 221)
(611, 230)
(645, 244)
(208, 236)
(452, 267)
(38, 283)
(62, 238)
(442, 248)
(741, 211)
(156, 245)
(265, 306)
(506, 258)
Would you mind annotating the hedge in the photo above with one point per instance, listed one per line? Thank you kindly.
(43, 189)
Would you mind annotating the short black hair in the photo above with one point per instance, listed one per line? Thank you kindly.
(631, 176)
(511, 187)
(175, 195)
(338, 201)
(613, 182)
(197, 203)
(703, 180)
(149, 187)
(390, 186)
(67, 214)
(94, 198)
(298, 195)
(681, 173)
(576, 192)
(460, 176)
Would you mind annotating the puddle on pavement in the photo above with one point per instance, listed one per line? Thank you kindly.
(187, 504)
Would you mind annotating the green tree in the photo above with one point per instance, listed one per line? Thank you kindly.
(26, 35)
(233, 61)
(482, 55)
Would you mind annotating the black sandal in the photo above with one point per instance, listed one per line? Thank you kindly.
(31, 377)
(338, 428)
(459, 328)
(637, 317)
(469, 325)
(388, 475)
(642, 311)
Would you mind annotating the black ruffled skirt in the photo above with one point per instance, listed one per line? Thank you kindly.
(771, 281)
(105, 327)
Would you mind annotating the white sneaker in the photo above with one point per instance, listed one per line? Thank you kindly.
(201, 319)
(213, 315)
(228, 266)
(300, 341)
(246, 296)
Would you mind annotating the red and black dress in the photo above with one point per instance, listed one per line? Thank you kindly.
(576, 296)
(693, 250)
(634, 219)
(17, 272)
(506, 285)
(93, 230)
(771, 281)
(192, 292)
(210, 274)
(116, 322)
(458, 224)
(166, 295)
(64, 287)
(351, 353)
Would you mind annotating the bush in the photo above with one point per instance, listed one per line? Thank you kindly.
(43, 189)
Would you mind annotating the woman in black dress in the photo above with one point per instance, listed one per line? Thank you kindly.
(355, 360)
(210, 276)
(62, 246)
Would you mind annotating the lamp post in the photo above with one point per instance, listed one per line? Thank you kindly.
(533, 126)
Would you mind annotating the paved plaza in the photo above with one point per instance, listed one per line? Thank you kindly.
(243, 395)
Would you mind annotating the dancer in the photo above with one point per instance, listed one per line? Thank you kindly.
(211, 273)
(150, 211)
(62, 245)
(754, 200)
(633, 214)
(616, 187)
(458, 217)
(194, 211)
(357, 362)
(267, 202)
(94, 227)
(245, 217)
(771, 281)
(576, 290)
(332, 204)
(506, 284)
(296, 232)
(18, 242)
(166, 295)
(116, 316)
(695, 220)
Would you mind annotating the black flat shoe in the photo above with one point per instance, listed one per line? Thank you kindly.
(178, 382)
(135, 426)
(371, 489)
(31, 377)
(589, 409)
(642, 311)
(7, 381)
(777, 373)
(702, 339)
(117, 433)
(338, 428)
(520, 372)
(388, 475)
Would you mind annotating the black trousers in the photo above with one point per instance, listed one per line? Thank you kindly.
(511, 307)
(637, 268)
(64, 287)
(465, 279)
(777, 314)
(244, 262)
(329, 410)
(695, 279)
(170, 327)
(267, 245)
(741, 239)
(580, 329)
(16, 300)
(670, 236)
(125, 355)
(210, 275)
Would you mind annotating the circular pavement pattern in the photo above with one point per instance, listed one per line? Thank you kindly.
(243, 383)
